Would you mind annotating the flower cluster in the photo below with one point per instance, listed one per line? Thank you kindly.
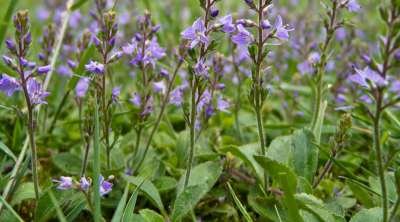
(84, 184)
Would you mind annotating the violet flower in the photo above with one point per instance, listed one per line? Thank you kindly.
(43, 69)
(82, 87)
(36, 93)
(159, 87)
(196, 34)
(353, 6)
(282, 32)
(105, 186)
(227, 24)
(9, 85)
(84, 184)
(64, 183)
(136, 99)
(361, 77)
(95, 68)
(176, 97)
(222, 105)
(115, 94)
(242, 37)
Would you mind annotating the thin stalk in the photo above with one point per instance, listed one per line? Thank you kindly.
(192, 132)
(258, 85)
(161, 114)
(85, 158)
(238, 94)
(394, 211)
(379, 157)
(96, 163)
(318, 90)
(58, 111)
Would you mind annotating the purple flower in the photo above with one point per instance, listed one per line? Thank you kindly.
(115, 94)
(95, 67)
(43, 69)
(196, 34)
(242, 37)
(148, 108)
(222, 105)
(281, 31)
(305, 68)
(84, 184)
(10, 44)
(82, 87)
(361, 77)
(42, 14)
(176, 96)
(153, 52)
(9, 85)
(201, 69)
(7, 60)
(265, 24)
(64, 183)
(36, 93)
(64, 71)
(204, 100)
(353, 6)
(314, 57)
(227, 25)
(159, 87)
(105, 186)
(341, 34)
(136, 99)
(214, 12)
(71, 64)
(75, 19)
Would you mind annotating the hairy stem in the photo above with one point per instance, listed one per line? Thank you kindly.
(192, 132)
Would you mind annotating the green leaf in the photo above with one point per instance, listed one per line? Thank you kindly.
(151, 216)
(239, 204)
(281, 150)
(319, 122)
(15, 214)
(287, 179)
(128, 216)
(121, 206)
(6, 20)
(315, 206)
(78, 4)
(305, 154)
(96, 163)
(361, 194)
(68, 163)
(165, 183)
(205, 173)
(24, 191)
(246, 154)
(368, 215)
(6, 150)
(187, 200)
(148, 189)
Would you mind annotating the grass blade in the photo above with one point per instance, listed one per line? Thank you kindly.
(7, 151)
(128, 212)
(8, 206)
(121, 206)
(78, 4)
(60, 213)
(6, 20)
(96, 163)
(239, 204)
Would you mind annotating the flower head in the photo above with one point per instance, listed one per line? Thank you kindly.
(82, 87)
(116, 91)
(176, 96)
(353, 6)
(84, 184)
(222, 105)
(159, 87)
(105, 186)
(196, 34)
(227, 24)
(242, 36)
(362, 77)
(95, 67)
(37, 95)
(136, 99)
(64, 183)
(43, 69)
(201, 69)
(282, 32)
(9, 84)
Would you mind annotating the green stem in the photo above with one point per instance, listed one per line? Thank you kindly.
(58, 111)
(192, 133)
(395, 208)
(31, 132)
(96, 163)
(379, 156)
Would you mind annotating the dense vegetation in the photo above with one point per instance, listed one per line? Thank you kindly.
(200, 110)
